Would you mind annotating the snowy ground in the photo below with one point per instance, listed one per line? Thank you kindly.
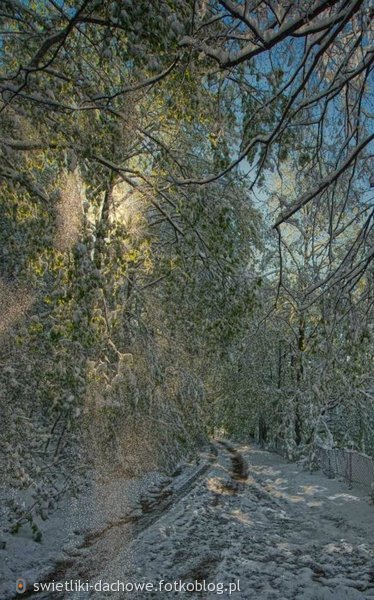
(79, 521)
(282, 532)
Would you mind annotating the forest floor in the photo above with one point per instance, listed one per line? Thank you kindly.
(242, 517)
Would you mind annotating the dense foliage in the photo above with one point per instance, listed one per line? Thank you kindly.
(147, 148)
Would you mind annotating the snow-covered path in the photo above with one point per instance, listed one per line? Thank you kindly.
(282, 532)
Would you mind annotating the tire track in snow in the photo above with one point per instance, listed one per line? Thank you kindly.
(68, 568)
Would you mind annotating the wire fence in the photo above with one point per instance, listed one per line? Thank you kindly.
(350, 465)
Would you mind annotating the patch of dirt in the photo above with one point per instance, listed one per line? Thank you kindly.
(238, 463)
